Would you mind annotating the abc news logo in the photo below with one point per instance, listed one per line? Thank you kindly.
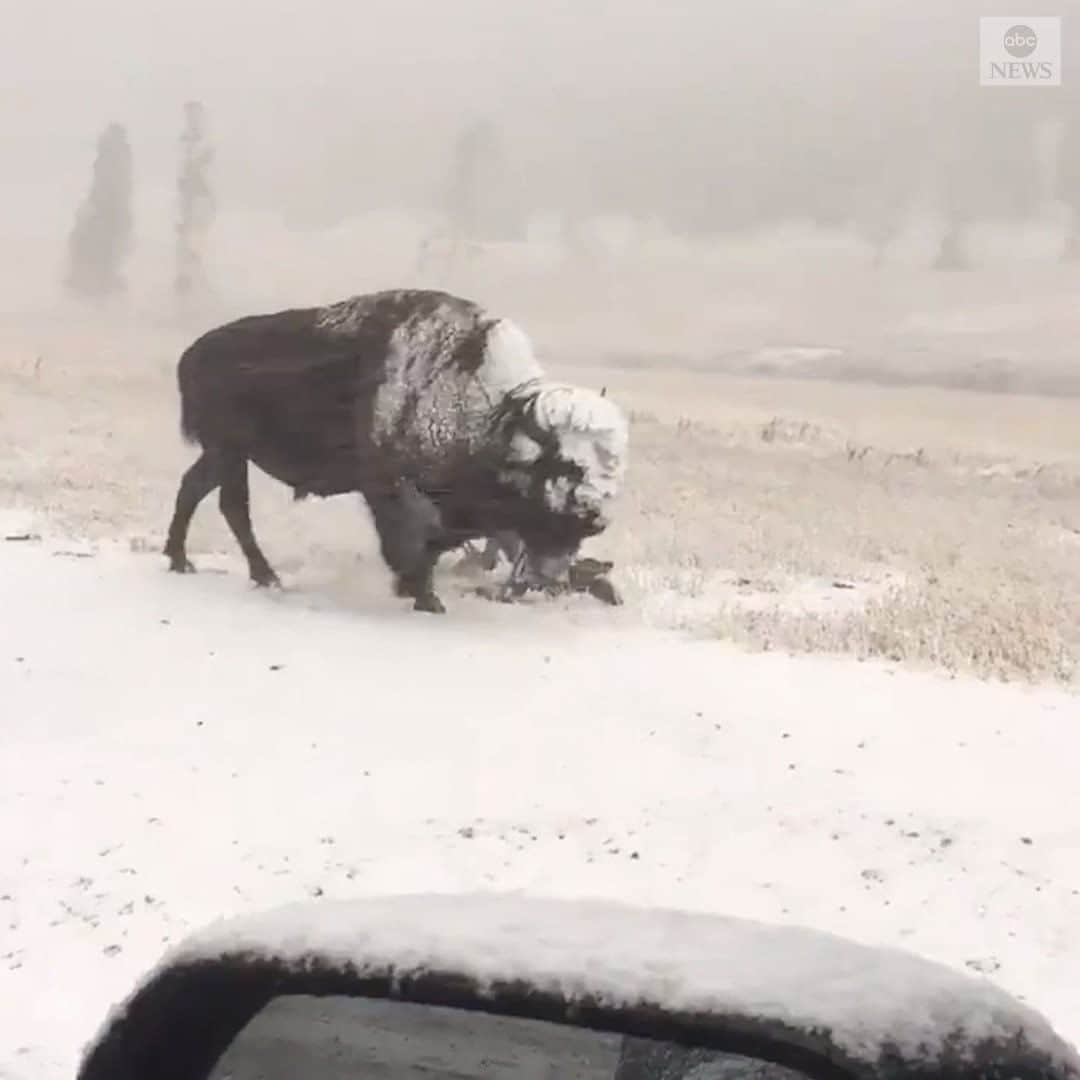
(1020, 42)
(1020, 52)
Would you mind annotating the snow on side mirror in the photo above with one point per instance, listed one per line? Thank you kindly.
(494, 986)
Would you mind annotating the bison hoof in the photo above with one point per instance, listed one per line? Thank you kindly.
(265, 579)
(180, 565)
(429, 603)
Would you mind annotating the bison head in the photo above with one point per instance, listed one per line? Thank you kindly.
(565, 456)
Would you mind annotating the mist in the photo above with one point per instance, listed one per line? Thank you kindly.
(831, 283)
(680, 181)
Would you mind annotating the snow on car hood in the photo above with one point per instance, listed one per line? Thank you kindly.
(869, 999)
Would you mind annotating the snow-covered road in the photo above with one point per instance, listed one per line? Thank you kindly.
(175, 749)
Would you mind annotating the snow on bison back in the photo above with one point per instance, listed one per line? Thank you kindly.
(433, 409)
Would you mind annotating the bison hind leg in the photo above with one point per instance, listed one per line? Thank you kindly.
(196, 484)
(235, 505)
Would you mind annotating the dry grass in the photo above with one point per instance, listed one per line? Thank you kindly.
(789, 534)
(938, 528)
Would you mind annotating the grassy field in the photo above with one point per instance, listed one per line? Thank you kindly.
(927, 526)
(931, 526)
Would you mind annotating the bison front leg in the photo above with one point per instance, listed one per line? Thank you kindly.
(408, 526)
(236, 509)
(420, 584)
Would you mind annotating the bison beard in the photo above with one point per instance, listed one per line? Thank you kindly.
(435, 411)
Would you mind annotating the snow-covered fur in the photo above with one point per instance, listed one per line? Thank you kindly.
(435, 410)
(575, 438)
(592, 433)
(440, 406)
(445, 367)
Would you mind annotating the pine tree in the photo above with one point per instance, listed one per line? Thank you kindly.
(1068, 186)
(473, 150)
(101, 239)
(455, 239)
(195, 202)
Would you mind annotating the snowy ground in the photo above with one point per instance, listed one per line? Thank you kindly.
(934, 527)
(176, 749)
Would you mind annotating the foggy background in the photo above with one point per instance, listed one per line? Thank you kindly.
(690, 181)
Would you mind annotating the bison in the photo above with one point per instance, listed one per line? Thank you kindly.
(434, 410)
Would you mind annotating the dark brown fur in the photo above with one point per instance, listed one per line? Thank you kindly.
(297, 400)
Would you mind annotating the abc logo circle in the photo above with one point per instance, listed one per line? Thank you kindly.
(1020, 41)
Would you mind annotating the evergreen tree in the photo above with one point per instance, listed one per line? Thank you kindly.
(195, 202)
(101, 239)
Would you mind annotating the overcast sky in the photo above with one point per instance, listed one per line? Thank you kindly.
(345, 104)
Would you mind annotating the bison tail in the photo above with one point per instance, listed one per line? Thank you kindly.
(188, 424)
(189, 421)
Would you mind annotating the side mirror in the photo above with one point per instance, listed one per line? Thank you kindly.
(341, 1038)
(487, 987)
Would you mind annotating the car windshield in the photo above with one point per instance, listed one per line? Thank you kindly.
(612, 449)
(340, 1038)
